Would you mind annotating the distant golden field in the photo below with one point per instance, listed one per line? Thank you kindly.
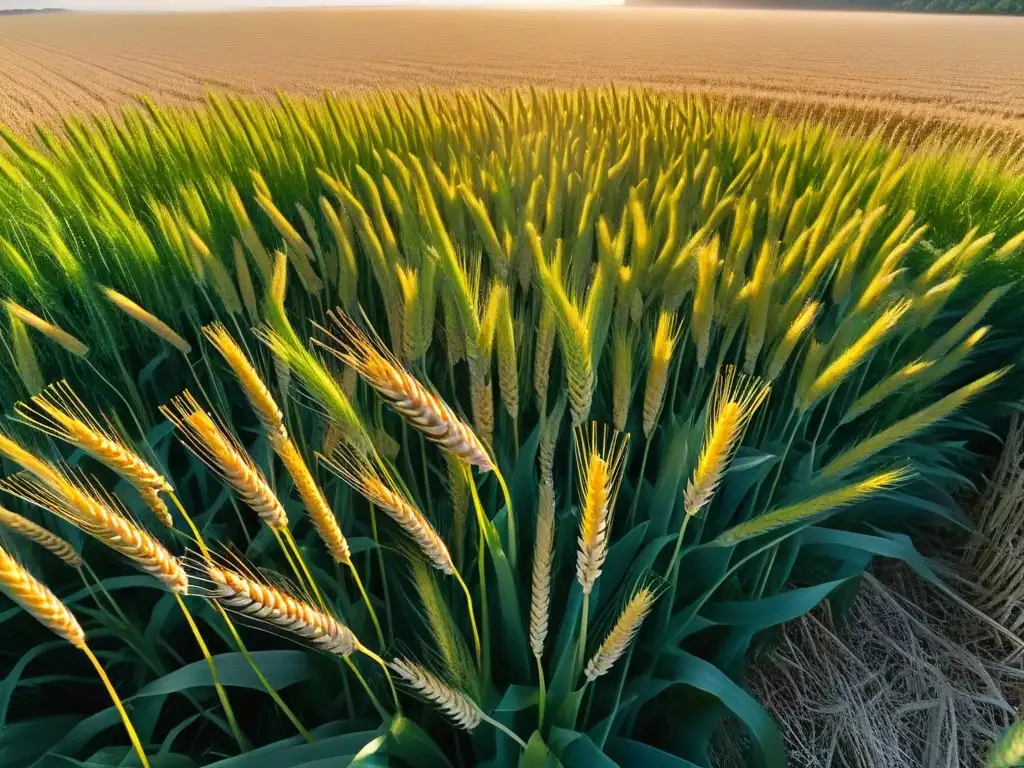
(953, 67)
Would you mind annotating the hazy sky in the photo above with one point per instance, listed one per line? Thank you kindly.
(209, 5)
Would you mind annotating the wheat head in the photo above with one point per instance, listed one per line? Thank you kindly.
(600, 460)
(666, 335)
(380, 491)
(49, 330)
(423, 409)
(100, 516)
(796, 331)
(44, 606)
(222, 453)
(734, 402)
(452, 703)
(153, 323)
(543, 560)
(260, 601)
(621, 634)
(39, 535)
(58, 412)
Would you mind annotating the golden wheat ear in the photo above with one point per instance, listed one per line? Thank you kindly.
(453, 703)
(255, 598)
(380, 490)
(600, 459)
(100, 515)
(60, 413)
(621, 635)
(734, 402)
(39, 535)
(220, 451)
(418, 405)
(36, 598)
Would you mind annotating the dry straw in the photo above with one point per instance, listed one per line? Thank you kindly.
(39, 535)
(213, 446)
(153, 323)
(621, 635)
(51, 331)
(423, 409)
(600, 460)
(734, 402)
(58, 412)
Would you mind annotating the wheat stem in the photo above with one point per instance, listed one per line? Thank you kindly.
(387, 674)
(369, 605)
(229, 712)
(118, 705)
(542, 693)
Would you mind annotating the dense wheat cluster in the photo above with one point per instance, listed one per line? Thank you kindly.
(531, 411)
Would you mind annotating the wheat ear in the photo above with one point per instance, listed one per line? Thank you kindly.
(912, 424)
(600, 460)
(100, 517)
(262, 602)
(252, 383)
(58, 412)
(381, 492)
(666, 335)
(49, 330)
(810, 508)
(36, 598)
(150, 321)
(800, 325)
(452, 703)
(621, 635)
(543, 559)
(39, 535)
(272, 419)
(222, 453)
(423, 409)
(733, 403)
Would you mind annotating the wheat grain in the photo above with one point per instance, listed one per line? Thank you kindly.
(452, 703)
(423, 409)
(621, 634)
(153, 323)
(39, 535)
(733, 404)
(600, 460)
(222, 453)
(44, 606)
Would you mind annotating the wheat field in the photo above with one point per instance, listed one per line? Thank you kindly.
(961, 69)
